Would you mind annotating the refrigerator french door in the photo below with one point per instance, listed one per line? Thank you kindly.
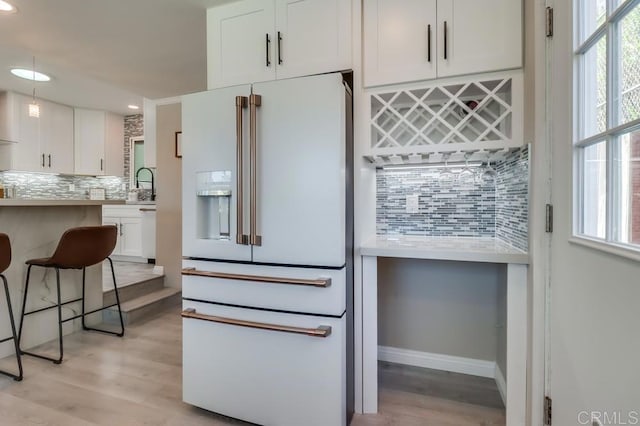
(294, 202)
(267, 245)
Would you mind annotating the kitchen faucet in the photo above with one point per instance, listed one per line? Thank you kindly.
(153, 190)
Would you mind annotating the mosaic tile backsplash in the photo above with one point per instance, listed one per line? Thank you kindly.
(489, 208)
(42, 185)
(47, 186)
(512, 199)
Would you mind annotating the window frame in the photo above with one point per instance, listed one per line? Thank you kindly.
(613, 131)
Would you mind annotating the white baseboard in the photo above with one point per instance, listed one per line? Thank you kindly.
(502, 384)
(455, 364)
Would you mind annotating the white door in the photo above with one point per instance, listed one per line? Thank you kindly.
(89, 131)
(240, 43)
(312, 37)
(130, 236)
(115, 221)
(301, 171)
(399, 41)
(479, 36)
(593, 374)
(57, 138)
(209, 144)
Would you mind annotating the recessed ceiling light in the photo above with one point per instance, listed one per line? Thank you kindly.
(133, 107)
(29, 74)
(7, 7)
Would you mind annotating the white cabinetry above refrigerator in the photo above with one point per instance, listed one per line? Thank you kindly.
(260, 40)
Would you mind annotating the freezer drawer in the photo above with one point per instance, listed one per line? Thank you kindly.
(307, 290)
(267, 370)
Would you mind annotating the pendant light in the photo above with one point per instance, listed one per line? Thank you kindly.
(34, 108)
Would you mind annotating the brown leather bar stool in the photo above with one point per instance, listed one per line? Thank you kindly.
(5, 261)
(78, 248)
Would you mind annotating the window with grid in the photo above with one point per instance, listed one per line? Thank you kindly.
(607, 131)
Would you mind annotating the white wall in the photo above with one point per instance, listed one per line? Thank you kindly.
(441, 307)
(169, 201)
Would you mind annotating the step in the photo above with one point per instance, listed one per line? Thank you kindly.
(133, 291)
(144, 306)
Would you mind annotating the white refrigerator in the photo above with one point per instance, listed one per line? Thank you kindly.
(267, 251)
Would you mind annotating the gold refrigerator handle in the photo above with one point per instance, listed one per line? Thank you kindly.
(322, 331)
(320, 282)
(241, 104)
(254, 102)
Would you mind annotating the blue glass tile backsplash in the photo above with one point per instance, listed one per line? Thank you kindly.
(495, 207)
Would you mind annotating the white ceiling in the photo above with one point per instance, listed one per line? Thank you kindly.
(106, 54)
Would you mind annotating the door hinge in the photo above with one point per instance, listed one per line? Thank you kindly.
(547, 411)
(549, 21)
(548, 226)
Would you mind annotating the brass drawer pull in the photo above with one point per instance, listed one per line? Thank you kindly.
(322, 331)
(320, 282)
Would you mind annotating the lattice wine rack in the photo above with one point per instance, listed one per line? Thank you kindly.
(473, 117)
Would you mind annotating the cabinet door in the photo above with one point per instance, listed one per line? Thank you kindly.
(107, 220)
(26, 154)
(480, 36)
(56, 138)
(89, 134)
(312, 37)
(240, 43)
(130, 236)
(114, 145)
(301, 173)
(396, 41)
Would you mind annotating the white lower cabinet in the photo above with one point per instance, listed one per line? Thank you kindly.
(265, 367)
(130, 236)
(129, 221)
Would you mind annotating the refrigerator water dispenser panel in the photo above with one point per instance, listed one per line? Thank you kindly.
(214, 204)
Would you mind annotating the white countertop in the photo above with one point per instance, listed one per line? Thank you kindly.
(466, 249)
(18, 202)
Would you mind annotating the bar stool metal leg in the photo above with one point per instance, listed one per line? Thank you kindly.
(24, 306)
(60, 321)
(13, 337)
(115, 288)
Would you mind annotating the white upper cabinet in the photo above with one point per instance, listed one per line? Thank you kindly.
(56, 138)
(481, 36)
(240, 43)
(251, 41)
(412, 40)
(312, 36)
(399, 40)
(99, 143)
(39, 144)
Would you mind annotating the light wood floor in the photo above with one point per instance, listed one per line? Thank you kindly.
(137, 381)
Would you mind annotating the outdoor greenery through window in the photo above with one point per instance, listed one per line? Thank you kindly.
(607, 137)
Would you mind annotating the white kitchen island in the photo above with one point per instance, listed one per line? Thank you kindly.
(34, 228)
(461, 249)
